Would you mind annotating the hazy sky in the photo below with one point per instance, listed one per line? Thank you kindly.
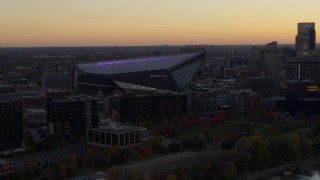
(152, 22)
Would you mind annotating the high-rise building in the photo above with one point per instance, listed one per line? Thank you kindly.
(11, 133)
(303, 69)
(266, 61)
(266, 87)
(56, 81)
(71, 116)
(306, 37)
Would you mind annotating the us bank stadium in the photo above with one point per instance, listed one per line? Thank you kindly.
(153, 73)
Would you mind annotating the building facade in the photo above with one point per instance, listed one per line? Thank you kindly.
(306, 37)
(266, 87)
(246, 101)
(71, 116)
(206, 101)
(35, 117)
(266, 61)
(56, 81)
(11, 132)
(303, 69)
(134, 108)
(116, 135)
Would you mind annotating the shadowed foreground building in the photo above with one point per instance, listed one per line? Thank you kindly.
(303, 69)
(11, 133)
(161, 72)
(71, 116)
(133, 108)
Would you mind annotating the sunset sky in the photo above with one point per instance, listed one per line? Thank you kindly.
(152, 22)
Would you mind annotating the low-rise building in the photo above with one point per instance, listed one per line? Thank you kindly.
(35, 117)
(206, 101)
(246, 101)
(116, 135)
(6, 167)
(56, 81)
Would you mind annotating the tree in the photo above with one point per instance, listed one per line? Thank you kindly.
(243, 144)
(171, 176)
(228, 144)
(27, 163)
(305, 146)
(100, 162)
(117, 158)
(259, 150)
(134, 176)
(174, 147)
(242, 160)
(228, 172)
(147, 175)
(113, 173)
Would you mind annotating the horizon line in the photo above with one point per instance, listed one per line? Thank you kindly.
(88, 46)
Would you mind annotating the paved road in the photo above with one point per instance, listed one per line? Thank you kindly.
(49, 155)
(268, 172)
(162, 165)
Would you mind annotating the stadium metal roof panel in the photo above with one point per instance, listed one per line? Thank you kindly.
(136, 65)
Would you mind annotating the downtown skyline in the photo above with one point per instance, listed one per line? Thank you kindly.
(143, 22)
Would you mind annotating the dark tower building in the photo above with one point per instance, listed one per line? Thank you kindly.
(11, 133)
(306, 37)
(71, 116)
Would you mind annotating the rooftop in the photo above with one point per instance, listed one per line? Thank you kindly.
(3, 161)
(137, 65)
(38, 110)
(119, 128)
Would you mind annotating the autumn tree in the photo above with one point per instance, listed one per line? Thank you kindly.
(228, 171)
(114, 173)
(171, 176)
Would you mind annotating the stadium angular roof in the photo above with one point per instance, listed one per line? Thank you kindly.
(137, 65)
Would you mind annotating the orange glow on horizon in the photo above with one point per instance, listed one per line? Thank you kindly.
(145, 22)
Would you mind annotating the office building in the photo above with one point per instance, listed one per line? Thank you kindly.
(206, 101)
(306, 37)
(246, 101)
(303, 69)
(266, 87)
(116, 135)
(297, 89)
(11, 133)
(56, 81)
(133, 108)
(71, 116)
(266, 61)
